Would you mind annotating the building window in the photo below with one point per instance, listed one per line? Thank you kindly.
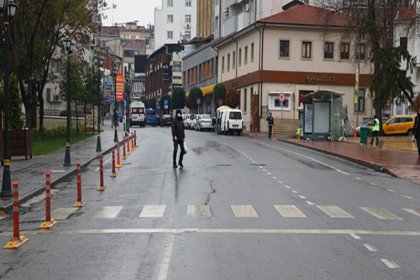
(252, 52)
(274, 102)
(228, 62)
(187, 18)
(187, 3)
(306, 49)
(245, 99)
(233, 60)
(170, 34)
(284, 48)
(246, 55)
(240, 57)
(170, 3)
(359, 102)
(223, 64)
(170, 18)
(344, 51)
(360, 51)
(403, 43)
(328, 50)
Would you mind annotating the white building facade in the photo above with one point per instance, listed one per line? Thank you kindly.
(176, 21)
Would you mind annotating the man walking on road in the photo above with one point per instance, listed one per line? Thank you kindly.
(178, 136)
(416, 130)
(375, 130)
(270, 121)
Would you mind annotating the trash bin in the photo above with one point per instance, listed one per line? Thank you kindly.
(364, 132)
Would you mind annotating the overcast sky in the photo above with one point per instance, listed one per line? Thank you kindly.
(131, 10)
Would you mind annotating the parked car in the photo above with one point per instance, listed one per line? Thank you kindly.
(188, 121)
(399, 124)
(166, 120)
(194, 121)
(204, 123)
(185, 119)
(232, 122)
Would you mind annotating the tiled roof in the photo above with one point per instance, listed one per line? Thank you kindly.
(404, 14)
(133, 44)
(309, 16)
(110, 30)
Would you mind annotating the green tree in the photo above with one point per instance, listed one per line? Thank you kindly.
(178, 98)
(16, 122)
(232, 98)
(195, 94)
(219, 94)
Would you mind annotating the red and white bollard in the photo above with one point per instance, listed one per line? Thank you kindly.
(118, 165)
(113, 174)
(79, 203)
(124, 155)
(101, 187)
(49, 222)
(17, 239)
(135, 138)
(128, 144)
(132, 141)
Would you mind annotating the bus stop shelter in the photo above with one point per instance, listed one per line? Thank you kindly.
(322, 115)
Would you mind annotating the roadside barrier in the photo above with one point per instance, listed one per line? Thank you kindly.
(135, 138)
(113, 174)
(17, 239)
(128, 145)
(49, 222)
(124, 155)
(118, 165)
(101, 187)
(132, 141)
(79, 203)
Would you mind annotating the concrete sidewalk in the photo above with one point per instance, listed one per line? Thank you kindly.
(30, 174)
(396, 162)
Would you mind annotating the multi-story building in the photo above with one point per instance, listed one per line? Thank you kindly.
(176, 21)
(205, 17)
(294, 53)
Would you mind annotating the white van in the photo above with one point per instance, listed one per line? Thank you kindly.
(232, 122)
(138, 114)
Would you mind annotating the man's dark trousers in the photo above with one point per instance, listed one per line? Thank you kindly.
(181, 144)
(270, 129)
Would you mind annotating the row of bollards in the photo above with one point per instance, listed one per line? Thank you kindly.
(18, 239)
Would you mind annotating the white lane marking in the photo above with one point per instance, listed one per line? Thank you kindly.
(105, 162)
(58, 171)
(268, 173)
(153, 211)
(355, 236)
(280, 182)
(275, 178)
(198, 210)
(381, 213)
(296, 192)
(390, 264)
(264, 170)
(260, 167)
(390, 190)
(334, 211)
(164, 267)
(373, 184)
(63, 213)
(289, 211)
(407, 196)
(302, 197)
(244, 211)
(310, 203)
(358, 178)
(223, 230)
(107, 212)
(287, 187)
(413, 211)
(370, 248)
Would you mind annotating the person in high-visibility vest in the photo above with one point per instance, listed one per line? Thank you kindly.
(375, 127)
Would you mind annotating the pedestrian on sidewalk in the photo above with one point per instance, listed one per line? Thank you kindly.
(375, 127)
(178, 136)
(416, 130)
(270, 121)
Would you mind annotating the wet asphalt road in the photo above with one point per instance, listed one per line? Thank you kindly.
(240, 209)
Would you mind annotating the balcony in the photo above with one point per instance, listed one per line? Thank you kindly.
(230, 25)
(243, 21)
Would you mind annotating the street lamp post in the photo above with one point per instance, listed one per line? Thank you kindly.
(68, 45)
(115, 105)
(99, 63)
(8, 8)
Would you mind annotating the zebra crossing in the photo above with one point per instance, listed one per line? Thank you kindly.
(249, 211)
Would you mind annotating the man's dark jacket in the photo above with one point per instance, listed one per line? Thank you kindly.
(178, 129)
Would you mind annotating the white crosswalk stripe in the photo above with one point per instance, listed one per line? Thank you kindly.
(244, 211)
(334, 211)
(198, 210)
(289, 211)
(62, 213)
(107, 212)
(153, 211)
(381, 213)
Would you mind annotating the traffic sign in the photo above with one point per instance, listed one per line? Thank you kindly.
(282, 97)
